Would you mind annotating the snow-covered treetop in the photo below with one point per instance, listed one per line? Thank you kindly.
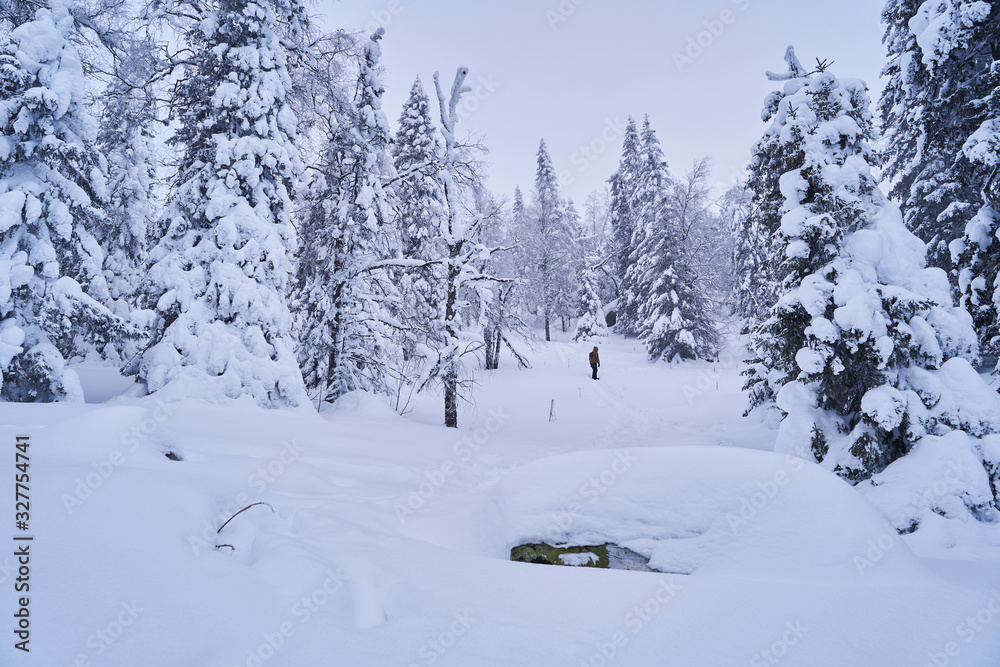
(795, 68)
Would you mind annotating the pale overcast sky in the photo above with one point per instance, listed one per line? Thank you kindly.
(571, 71)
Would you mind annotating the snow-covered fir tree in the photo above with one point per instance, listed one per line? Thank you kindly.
(663, 298)
(127, 139)
(52, 190)
(592, 322)
(977, 253)
(348, 338)
(417, 155)
(623, 184)
(748, 257)
(221, 271)
(864, 349)
(939, 55)
(650, 207)
(757, 274)
(552, 242)
(778, 151)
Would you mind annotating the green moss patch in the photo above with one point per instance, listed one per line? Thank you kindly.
(546, 554)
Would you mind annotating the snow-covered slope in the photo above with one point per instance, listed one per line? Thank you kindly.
(385, 539)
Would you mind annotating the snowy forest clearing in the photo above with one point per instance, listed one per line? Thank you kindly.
(389, 536)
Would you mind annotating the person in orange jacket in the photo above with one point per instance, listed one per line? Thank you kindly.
(595, 361)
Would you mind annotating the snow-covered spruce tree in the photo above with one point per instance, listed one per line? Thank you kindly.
(938, 55)
(977, 254)
(671, 314)
(748, 258)
(552, 241)
(52, 187)
(347, 337)
(757, 271)
(417, 155)
(591, 323)
(866, 347)
(126, 138)
(651, 205)
(780, 150)
(221, 270)
(623, 185)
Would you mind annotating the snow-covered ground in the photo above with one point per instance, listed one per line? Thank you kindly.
(385, 540)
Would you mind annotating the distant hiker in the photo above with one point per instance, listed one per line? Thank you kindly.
(595, 361)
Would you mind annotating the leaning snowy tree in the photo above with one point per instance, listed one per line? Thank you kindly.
(864, 348)
(220, 272)
(52, 189)
(343, 289)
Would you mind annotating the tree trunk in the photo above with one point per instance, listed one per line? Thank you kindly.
(451, 397)
(450, 318)
(547, 336)
(496, 352)
(489, 338)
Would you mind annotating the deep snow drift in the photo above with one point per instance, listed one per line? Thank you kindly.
(385, 539)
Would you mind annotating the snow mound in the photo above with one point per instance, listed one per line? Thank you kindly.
(362, 404)
(696, 510)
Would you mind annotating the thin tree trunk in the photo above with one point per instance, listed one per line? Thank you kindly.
(451, 397)
(451, 315)
(496, 352)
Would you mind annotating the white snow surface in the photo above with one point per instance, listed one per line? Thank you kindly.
(389, 539)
